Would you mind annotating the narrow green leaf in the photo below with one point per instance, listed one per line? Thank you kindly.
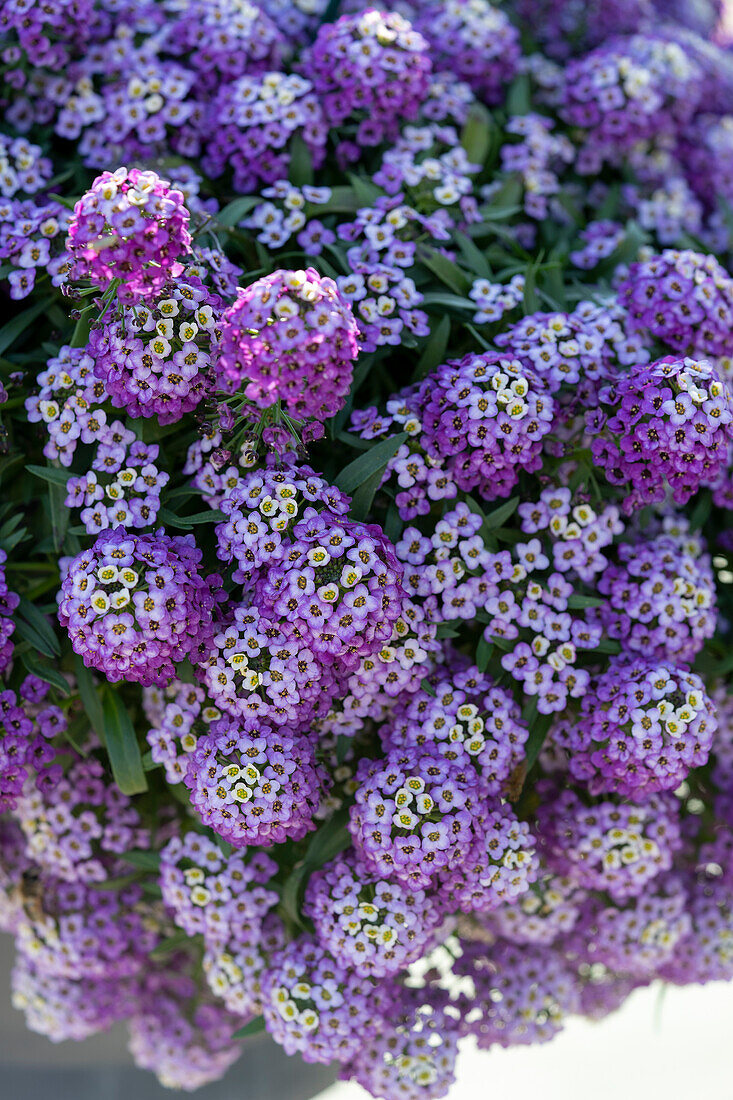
(211, 515)
(476, 135)
(484, 650)
(47, 642)
(301, 162)
(122, 746)
(45, 672)
(363, 497)
(60, 515)
(435, 349)
(577, 601)
(446, 270)
(537, 736)
(500, 515)
(474, 257)
(54, 475)
(146, 861)
(170, 944)
(446, 630)
(80, 337)
(519, 98)
(362, 468)
(234, 211)
(89, 696)
(9, 333)
(450, 301)
(254, 1027)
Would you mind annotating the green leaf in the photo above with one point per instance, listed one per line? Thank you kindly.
(531, 301)
(476, 135)
(473, 256)
(484, 650)
(446, 270)
(578, 601)
(500, 515)
(146, 861)
(234, 211)
(363, 467)
(362, 499)
(9, 333)
(435, 349)
(343, 201)
(80, 337)
(60, 515)
(211, 515)
(89, 696)
(54, 475)
(326, 843)
(446, 630)
(46, 641)
(45, 672)
(301, 162)
(519, 97)
(254, 1027)
(170, 944)
(450, 301)
(537, 736)
(122, 746)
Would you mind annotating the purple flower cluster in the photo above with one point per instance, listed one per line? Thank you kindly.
(135, 604)
(577, 533)
(684, 299)
(31, 240)
(485, 416)
(638, 938)
(370, 72)
(413, 1054)
(625, 93)
(660, 597)
(608, 845)
(259, 667)
(154, 358)
(77, 824)
(538, 159)
(62, 1009)
(289, 340)
(16, 730)
(663, 424)
(8, 603)
(497, 868)
(234, 966)
(413, 815)
(466, 719)
(68, 405)
(706, 953)
(338, 584)
(643, 726)
(132, 227)
(126, 495)
(313, 1005)
(548, 910)
(254, 785)
(223, 40)
(71, 930)
(181, 1035)
(522, 994)
(253, 122)
(210, 893)
(475, 41)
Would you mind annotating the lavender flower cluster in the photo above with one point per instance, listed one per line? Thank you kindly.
(366, 523)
